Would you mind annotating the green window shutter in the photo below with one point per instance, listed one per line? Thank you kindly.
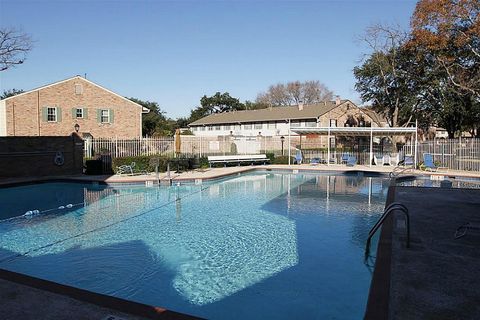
(59, 114)
(44, 114)
(85, 113)
(74, 113)
(99, 115)
(111, 115)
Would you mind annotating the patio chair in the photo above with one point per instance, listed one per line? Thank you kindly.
(344, 158)
(386, 160)
(298, 157)
(126, 168)
(407, 161)
(429, 164)
(315, 161)
(352, 160)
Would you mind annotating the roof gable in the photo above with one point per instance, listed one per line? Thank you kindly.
(70, 79)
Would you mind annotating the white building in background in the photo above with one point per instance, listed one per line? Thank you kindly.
(276, 121)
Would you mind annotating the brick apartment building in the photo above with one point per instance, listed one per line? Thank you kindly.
(58, 109)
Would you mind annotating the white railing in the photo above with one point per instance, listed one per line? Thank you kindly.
(129, 147)
(456, 154)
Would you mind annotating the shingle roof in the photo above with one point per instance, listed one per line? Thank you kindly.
(378, 118)
(269, 114)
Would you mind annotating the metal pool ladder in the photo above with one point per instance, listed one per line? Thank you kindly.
(388, 210)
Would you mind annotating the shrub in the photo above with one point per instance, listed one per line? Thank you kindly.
(282, 160)
(142, 163)
(271, 156)
(204, 162)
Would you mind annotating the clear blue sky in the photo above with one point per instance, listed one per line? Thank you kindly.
(174, 52)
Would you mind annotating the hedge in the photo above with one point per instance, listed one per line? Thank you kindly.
(148, 163)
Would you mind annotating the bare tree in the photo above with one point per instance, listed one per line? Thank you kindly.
(381, 80)
(14, 46)
(292, 93)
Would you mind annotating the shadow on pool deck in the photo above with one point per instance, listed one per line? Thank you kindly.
(437, 278)
(23, 296)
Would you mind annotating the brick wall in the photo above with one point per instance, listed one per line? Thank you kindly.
(34, 156)
(25, 113)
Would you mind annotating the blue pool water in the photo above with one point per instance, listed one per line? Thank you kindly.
(257, 246)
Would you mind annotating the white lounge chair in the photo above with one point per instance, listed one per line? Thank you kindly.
(126, 169)
(386, 160)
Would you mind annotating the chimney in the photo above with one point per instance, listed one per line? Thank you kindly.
(300, 105)
(337, 100)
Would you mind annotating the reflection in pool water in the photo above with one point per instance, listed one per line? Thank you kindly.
(262, 245)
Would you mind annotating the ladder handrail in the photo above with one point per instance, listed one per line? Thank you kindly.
(380, 220)
(398, 170)
(388, 210)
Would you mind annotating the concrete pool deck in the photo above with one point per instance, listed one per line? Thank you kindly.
(437, 277)
(215, 173)
(29, 298)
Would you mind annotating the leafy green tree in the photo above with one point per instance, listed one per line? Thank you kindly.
(155, 123)
(249, 105)
(10, 93)
(219, 102)
(382, 82)
(182, 122)
(449, 32)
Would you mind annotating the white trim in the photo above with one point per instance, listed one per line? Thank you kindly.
(69, 79)
(3, 118)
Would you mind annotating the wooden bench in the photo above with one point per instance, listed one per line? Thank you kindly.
(253, 158)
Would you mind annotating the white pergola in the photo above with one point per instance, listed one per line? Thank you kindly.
(358, 132)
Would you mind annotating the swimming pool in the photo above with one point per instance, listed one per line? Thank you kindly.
(258, 245)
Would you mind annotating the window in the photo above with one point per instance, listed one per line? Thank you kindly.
(258, 125)
(218, 128)
(78, 88)
(295, 124)
(247, 126)
(105, 116)
(194, 128)
(310, 123)
(227, 127)
(79, 113)
(52, 114)
(210, 128)
(272, 125)
(333, 123)
(201, 128)
(238, 127)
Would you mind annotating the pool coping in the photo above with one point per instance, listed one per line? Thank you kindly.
(190, 177)
(98, 299)
(379, 292)
(378, 297)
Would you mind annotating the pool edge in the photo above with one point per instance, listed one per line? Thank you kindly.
(379, 292)
(101, 300)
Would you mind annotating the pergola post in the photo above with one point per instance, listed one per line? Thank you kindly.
(416, 142)
(289, 142)
(328, 146)
(371, 146)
